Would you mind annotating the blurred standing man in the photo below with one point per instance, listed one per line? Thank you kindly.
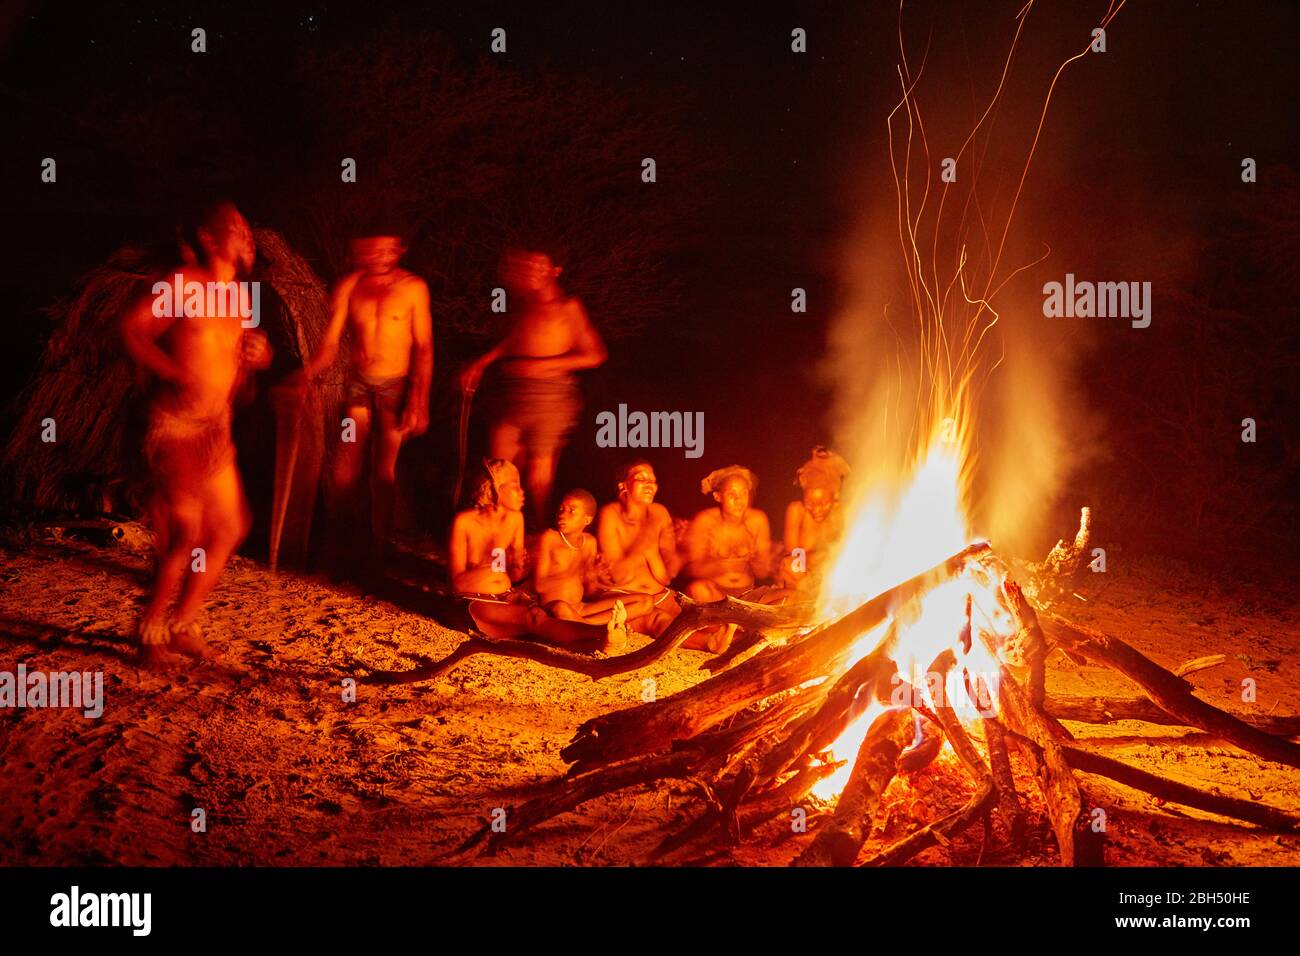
(386, 311)
(200, 351)
(539, 400)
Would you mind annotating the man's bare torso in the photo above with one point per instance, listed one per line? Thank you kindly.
(208, 349)
(380, 320)
(544, 330)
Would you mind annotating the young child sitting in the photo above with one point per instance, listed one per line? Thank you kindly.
(813, 523)
(487, 557)
(568, 568)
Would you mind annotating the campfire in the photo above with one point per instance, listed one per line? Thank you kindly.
(922, 650)
(817, 717)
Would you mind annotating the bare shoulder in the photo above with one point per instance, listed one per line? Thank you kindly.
(574, 310)
(705, 518)
(607, 512)
(463, 522)
(344, 286)
(660, 514)
(756, 520)
(411, 284)
(549, 539)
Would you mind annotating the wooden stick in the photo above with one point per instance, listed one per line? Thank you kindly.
(940, 831)
(1173, 694)
(692, 759)
(1079, 843)
(693, 617)
(1108, 710)
(985, 794)
(839, 841)
(1199, 664)
(1091, 762)
(1010, 810)
(1034, 643)
(754, 812)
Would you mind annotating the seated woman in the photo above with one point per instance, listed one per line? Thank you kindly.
(487, 557)
(568, 578)
(637, 543)
(814, 522)
(730, 549)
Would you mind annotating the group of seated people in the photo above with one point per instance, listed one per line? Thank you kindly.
(586, 590)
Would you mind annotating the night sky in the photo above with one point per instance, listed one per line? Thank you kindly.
(1141, 155)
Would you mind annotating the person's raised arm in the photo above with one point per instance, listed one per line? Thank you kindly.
(471, 373)
(415, 417)
(141, 329)
(327, 351)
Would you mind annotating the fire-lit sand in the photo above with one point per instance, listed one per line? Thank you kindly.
(287, 773)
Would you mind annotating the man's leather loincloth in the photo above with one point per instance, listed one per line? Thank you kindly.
(543, 409)
(183, 451)
(378, 395)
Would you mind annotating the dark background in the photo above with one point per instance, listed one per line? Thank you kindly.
(764, 159)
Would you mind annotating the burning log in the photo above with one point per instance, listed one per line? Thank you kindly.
(1033, 646)
(1010, 810)
(1079, 843)
(922, 753)
(941, 831)
(986, 789)
(1108, 710)
(840, 840)
(1172, 694)
(1066, 562)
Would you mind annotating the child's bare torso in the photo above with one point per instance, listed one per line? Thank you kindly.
(381, 321)
(485, 534)
(568, 568)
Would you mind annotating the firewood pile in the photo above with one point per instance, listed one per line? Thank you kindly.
(755, 739)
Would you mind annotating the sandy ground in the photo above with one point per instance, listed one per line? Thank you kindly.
(287, 772)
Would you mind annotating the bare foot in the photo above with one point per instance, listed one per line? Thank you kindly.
(616, 628)
(154, 635)
(720, 640)
(715, 639)
(187, 639)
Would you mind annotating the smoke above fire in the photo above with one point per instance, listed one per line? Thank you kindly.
(940, 344)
